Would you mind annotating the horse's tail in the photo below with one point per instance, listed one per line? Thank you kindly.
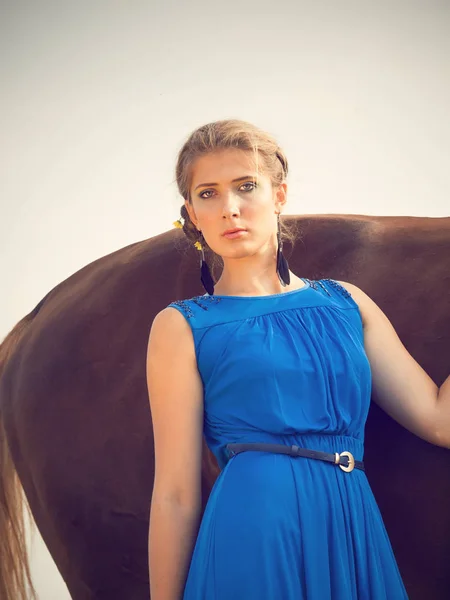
(15, 575)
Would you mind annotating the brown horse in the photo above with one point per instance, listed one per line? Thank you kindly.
(75, 421)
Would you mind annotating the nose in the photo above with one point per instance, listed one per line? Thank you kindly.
(230, 206)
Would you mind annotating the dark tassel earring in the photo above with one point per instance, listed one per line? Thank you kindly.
(282, 264)
(205, 273)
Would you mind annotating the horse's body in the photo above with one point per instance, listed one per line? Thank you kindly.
(76, 416)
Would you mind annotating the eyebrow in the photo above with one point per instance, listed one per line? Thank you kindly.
(233, 181)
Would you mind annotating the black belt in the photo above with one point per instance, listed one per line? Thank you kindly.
(344, 460)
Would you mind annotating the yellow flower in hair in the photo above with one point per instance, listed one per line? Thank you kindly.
(178, 224)
(198, 245)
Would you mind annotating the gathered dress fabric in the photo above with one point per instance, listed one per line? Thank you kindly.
(287, 368)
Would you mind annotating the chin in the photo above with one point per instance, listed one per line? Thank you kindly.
(239, 251)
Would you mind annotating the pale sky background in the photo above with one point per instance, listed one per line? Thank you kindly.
(97, 97)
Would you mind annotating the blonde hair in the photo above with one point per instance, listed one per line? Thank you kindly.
(221, 135)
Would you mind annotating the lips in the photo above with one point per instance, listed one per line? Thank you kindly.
(235, 230)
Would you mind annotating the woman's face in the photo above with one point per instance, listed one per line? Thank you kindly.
(220, 202)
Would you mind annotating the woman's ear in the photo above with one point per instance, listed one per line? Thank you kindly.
(281, 196)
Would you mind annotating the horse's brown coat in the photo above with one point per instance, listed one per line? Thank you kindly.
(74, 400)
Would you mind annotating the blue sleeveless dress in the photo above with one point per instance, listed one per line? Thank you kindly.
(287, 368)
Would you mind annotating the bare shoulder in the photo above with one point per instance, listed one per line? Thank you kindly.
(170, 321)
(361, 298)
(170, 315)
(171, 334)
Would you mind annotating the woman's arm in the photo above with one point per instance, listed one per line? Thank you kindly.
(400, 386)
(176, 403)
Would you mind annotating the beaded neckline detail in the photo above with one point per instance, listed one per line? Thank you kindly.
(337, 286)
(201, 301)
(206, 300)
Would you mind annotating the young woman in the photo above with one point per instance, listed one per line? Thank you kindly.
(276, 371)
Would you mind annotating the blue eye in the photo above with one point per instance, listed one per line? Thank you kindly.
(252, 183)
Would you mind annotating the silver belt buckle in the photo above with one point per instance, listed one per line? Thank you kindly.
(351, 461)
